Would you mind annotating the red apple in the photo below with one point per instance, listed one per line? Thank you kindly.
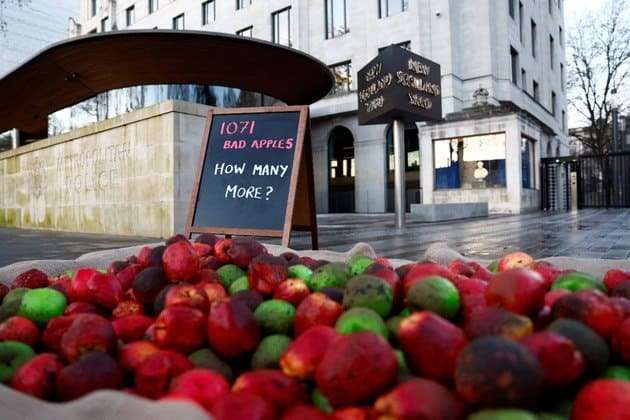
(561, 363)
(126, 276)
(202, 386)
(18, 328)
(621, 341)
(127, 308)
(92, 286)
(180, 328)
(265, 273)
(202, 250)
(614, 277)
(243, 406)
(391, 277)
(232, 329)
(215, 292)
(206, 275)
(131, 328)
(591, 308)
(607, 399)
(355, 368)
(293, 291)
(431, 344)
(316, 309)
(304, 412)
(518, 290)
(419, 399)
(81, 308)
(92, 372)
(55, 329)
(38, 375)
(273, 386)
(180, 261)
(133, 354)
(548, 271)
(87, 333)
(31, 279)
(187, 295)
(515, 260)
(301, 358)
(154, 374)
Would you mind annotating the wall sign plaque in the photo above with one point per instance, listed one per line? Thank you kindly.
(255, 174)
(399, 85)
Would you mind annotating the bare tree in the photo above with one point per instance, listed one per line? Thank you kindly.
(3, 5)
(599, 65)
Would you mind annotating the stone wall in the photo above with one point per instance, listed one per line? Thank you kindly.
(129, 175)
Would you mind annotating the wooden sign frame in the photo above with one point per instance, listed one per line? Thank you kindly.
(300, 214)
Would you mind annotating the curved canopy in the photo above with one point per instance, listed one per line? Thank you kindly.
(71, 71)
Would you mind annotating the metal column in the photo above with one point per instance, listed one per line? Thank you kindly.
(399, 173)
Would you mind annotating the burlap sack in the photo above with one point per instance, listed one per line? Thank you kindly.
(110, 405)
(441, 253)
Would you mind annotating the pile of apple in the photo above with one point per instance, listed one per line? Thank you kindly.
(220, 323)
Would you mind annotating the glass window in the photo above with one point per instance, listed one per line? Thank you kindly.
(242, 3)
(527, 163)
(152, 5)
(105, 24)
(92, 8)
(536, 91)
(281, 21)
(515, 65)
(178, 22)
(560, 35)
(336, 21)
(343, 77)
(470, 162)
(130, 15)
(521, 13)
(524, 79)
(554, 103)
(550, 6)
(246, 32)
(208, 12)
(552, 47)
(562, 77)
(406, 45)
(511, 8)
(534, 38)
(391, 7)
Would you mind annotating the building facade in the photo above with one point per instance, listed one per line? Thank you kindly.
(503, 89)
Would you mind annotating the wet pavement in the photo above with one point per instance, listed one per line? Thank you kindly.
(589, 233)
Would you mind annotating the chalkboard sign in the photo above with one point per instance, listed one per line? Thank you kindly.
(252, 162)
(399, 85)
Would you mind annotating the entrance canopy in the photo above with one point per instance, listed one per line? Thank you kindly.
(71, 71)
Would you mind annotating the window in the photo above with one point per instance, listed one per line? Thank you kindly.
(391, 7)
(521, 13)
(92, 8)
(524, 79)
(560, 36)
(470, 162)
(564, 121)
(178, 22)
(536, 91)
(562, 77)
(554, 103)
(515, 65)
(246, 32)
(281, 23)
(343, 77)
(534, 38)
(130, 15)
(152, 5)
(406, 45)
(242, 3)
(550, 6)
(105, 24)
(552, 52)
(208, 12)
(511, 8)
(336, 21)
(527, 163)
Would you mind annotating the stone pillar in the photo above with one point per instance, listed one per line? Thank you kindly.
(370, 180)
(426, 166)
(320, 173)
(513, 169)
